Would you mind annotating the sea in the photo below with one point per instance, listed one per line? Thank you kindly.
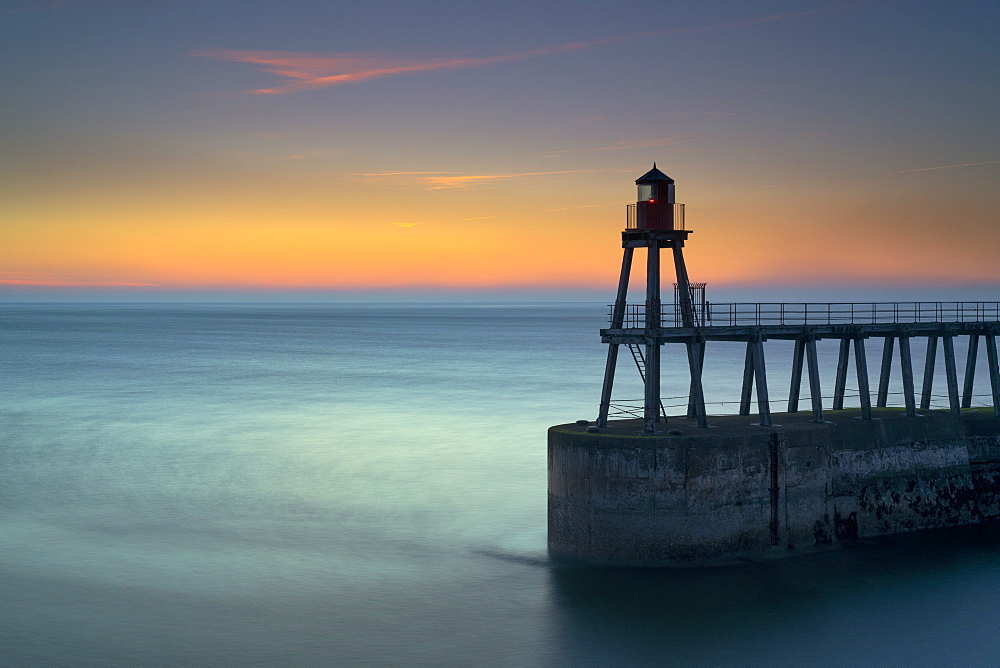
(365, 485)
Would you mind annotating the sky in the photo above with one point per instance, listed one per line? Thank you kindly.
(400, 150)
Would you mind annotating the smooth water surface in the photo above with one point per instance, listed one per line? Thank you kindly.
(307, 485)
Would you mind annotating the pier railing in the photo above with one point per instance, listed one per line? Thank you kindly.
(713, 314)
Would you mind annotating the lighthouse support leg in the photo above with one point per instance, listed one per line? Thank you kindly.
(651, 408)
(609, 381)
(617, 319)
(683, 286)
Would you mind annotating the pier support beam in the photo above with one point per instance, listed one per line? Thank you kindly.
(692, 411)
(815, 390)
(754, 374)
(991, 355)
(864, 392)
(930, 360)
(861, 367)
(696, 400)
(883, 379)
(747, 392)
(760, 376)
(840, 384)
(795, 386)
(970, 370)
(906, 364)
(950, 373)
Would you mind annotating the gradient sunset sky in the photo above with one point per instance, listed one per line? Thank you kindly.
(170, 149)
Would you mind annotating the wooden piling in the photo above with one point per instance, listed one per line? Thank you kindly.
(760, 375)
(930, 360)
(950, 373)
(815, 389)
(747, 390)
(991, 355)
(795, 385)
(840, 383)
(883, 379)
(697, 395)
(864, 392)
(970, 370)
(906, 367)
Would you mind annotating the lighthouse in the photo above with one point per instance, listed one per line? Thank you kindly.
(654, 222)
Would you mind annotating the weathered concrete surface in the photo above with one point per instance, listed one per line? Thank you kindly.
(739, 489)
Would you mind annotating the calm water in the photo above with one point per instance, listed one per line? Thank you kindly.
(301, 485)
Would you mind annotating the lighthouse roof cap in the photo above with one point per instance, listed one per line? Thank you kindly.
(653, 176)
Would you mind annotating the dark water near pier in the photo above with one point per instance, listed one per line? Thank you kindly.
(307, 485)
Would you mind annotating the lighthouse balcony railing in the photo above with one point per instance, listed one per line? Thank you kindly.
(717, 314)
(675, 216)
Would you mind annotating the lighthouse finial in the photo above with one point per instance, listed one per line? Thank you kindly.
(654, 164)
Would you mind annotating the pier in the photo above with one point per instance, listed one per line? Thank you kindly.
(641, 486)
(901, 326)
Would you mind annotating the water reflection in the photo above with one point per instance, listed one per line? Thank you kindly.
(906, 600)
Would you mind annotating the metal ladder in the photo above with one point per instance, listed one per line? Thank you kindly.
(640, 364)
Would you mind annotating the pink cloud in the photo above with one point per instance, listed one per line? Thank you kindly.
(307, 71)
(454, 181)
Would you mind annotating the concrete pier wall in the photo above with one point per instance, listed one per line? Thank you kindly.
(739, 489)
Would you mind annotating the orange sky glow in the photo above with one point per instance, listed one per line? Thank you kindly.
(381, 164)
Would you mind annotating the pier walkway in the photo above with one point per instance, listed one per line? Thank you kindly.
(897, 323)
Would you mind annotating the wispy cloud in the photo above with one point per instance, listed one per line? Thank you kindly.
(466, 180)
(964, 164)
(454, 180)
(627, 144)
(584, 206)
(644, 143)
(401, 173)
(707, 114)
(48, 281)
(315, 153)
(308, 71)
(40, 6)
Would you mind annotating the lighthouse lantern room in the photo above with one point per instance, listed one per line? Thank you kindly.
(655, 208)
